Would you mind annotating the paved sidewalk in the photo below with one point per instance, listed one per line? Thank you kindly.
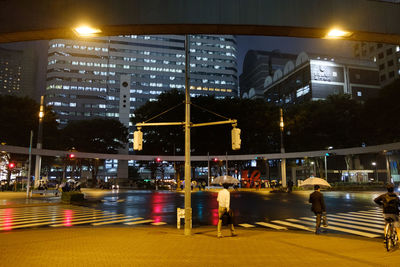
(166, 246)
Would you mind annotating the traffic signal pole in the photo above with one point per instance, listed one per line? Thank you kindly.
(187, 124)
(188, 180)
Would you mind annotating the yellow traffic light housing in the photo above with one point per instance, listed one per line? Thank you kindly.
(138, 140)
(236, 141)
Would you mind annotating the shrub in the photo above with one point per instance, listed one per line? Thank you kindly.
(73, 196)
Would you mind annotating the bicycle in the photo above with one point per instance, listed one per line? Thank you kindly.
(390, 234)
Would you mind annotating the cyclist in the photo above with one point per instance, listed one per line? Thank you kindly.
(390, 202)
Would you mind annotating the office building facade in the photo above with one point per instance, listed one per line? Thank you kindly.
(314, 77)
(257, 66)
(387, 58)
(83, 76)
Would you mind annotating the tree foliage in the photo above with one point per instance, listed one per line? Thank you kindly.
(256, 119)
(20, 115)
(96, 135)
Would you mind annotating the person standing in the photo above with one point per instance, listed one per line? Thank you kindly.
(318, 206)
(390, 202)
(224, 199)
(289, 186)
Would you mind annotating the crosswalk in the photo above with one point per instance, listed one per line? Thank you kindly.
(366, 223)
(63, 216)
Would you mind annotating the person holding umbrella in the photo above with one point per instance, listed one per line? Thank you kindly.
(223, 199)
(318, 207)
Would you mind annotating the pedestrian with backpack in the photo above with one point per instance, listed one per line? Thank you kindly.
(390, 202)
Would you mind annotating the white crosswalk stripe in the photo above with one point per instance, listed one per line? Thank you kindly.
(62, 216)
(270, 225)
(367, 223)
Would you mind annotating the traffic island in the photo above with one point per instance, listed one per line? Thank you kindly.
(72, 197)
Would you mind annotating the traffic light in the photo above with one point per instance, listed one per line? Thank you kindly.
(329, 154)
(215, 159)
(11, 165)
(137, 140)
(236, 141)
(71, 156)
(158, 160)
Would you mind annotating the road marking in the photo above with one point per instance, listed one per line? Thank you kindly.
(356, 218)
(117, 221)
(139, 222)
(360, 216)
(101, 218)
(355, 232)
(43, 217)
(246, 225)
(365, 214)
(293, 225)
(53, 219)
(355, 222)
(278, 227)
(159, 223)
(348, 226)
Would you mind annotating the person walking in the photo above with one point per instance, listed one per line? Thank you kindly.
(224, 199)
(318, 207)
(390, 202)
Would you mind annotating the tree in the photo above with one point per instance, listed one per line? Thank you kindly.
(96, 136)
(317, 125)
(380, 117)
(257, 120)
(20, 115)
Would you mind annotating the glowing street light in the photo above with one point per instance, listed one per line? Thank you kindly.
(338, 34)
(86, 31)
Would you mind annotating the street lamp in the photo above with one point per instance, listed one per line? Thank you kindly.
(86, 31)
(326, 162)
(38, 162)
(376, 170)
(338, 34)
(283, 161)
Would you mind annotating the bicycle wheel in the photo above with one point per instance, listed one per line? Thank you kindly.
(388, 239)
(394, 238)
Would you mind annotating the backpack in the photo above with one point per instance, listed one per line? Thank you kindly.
(391, 203)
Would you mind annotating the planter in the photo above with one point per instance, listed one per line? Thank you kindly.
(73, 196)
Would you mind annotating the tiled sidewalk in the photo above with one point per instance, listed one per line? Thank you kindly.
(146, 246)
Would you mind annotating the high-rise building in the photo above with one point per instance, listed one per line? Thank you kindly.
(387, 58)
(84, 76)
(19, 69)
(315, 77)
(257, 66)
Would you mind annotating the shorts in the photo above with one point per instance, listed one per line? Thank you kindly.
(394, 217)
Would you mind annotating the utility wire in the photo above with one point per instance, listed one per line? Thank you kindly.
(212, 112)
(163, 112)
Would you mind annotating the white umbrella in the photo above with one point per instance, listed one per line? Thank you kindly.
(310, 182)
(225, 179)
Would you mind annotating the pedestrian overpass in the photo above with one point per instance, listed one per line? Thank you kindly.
(365, 20)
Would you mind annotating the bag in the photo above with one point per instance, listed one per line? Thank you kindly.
(324, 220)
(390, 203)
(227, 217)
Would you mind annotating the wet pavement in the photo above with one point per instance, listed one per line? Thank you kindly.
(249, 207)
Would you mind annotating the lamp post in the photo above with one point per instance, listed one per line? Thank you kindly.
(28, 185)
(376, 170)
(283, 161)
(188, 191)
(326, 163)
(38, 162)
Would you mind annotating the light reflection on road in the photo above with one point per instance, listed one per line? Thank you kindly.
(249, 207)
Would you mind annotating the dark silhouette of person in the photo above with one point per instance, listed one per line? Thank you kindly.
(318, 206)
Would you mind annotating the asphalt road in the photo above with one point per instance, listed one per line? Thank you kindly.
(249, 207)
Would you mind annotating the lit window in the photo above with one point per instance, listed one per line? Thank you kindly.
(72, 104)
(334, 74)
(359, 93)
